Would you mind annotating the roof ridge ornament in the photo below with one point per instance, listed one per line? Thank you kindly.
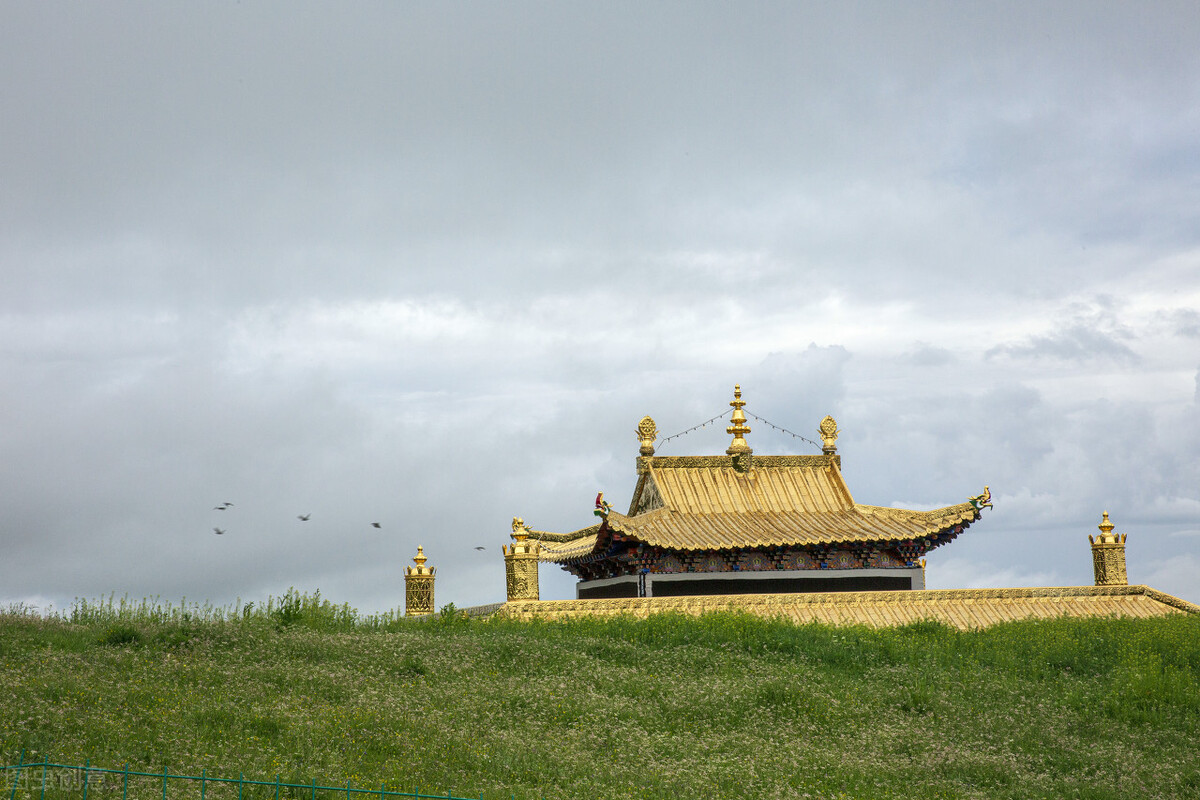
(739, 428)
(602, 507)
(828, 430)
(647, 432)
(981, 501)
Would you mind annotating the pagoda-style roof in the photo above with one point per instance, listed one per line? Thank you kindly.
(742, 501)
(721, 503)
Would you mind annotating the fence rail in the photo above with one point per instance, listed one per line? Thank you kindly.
(87, 772)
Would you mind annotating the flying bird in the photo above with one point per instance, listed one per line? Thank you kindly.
(376, 525)
(304, 517)
(481, 548)
(218, 531)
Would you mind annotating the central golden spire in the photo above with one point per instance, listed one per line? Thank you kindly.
(739, 428)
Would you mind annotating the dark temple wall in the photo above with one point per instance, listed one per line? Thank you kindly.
(700, 586)
(814, 581)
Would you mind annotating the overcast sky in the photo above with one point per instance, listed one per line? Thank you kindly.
(428, 264)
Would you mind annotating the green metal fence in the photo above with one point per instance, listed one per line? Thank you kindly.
(73, 777)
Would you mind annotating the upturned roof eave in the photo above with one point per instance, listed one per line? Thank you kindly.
(858, 525)
(905, 526)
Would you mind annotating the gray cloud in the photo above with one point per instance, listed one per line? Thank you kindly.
(1075, 343)
(1090, 331)
(1184, 322)
(925, 355)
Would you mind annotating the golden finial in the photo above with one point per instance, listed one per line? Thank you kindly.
(647, 432)
(520, 531)
(419, 559)
(1106, 533)
(829, 433)
(739, 428)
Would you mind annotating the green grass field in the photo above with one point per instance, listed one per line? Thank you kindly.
(724, 706)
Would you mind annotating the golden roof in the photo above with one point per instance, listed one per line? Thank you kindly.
(714, 503)
(959, 608)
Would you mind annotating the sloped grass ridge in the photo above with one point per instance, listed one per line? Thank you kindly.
(724, 705)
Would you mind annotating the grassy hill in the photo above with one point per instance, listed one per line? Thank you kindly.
(672, 707)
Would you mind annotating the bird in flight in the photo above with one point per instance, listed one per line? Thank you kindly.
(223, 506)
(218, 531)
(481, 548)
(376, 525)
(303, 517)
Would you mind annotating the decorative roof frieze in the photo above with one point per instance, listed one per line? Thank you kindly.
(961, 608)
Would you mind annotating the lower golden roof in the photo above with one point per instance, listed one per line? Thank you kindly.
(674, 530)
(681, 530)
(959, 608)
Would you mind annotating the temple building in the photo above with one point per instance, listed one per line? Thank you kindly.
(966, 609)
(742, 524)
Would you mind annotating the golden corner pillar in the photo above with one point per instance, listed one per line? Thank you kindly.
(745, 524)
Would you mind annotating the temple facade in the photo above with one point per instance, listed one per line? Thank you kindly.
(745, 524)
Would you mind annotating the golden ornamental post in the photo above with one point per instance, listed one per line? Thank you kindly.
(739, 428)
(418, 586)
(521, 563)
(1108, 555)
